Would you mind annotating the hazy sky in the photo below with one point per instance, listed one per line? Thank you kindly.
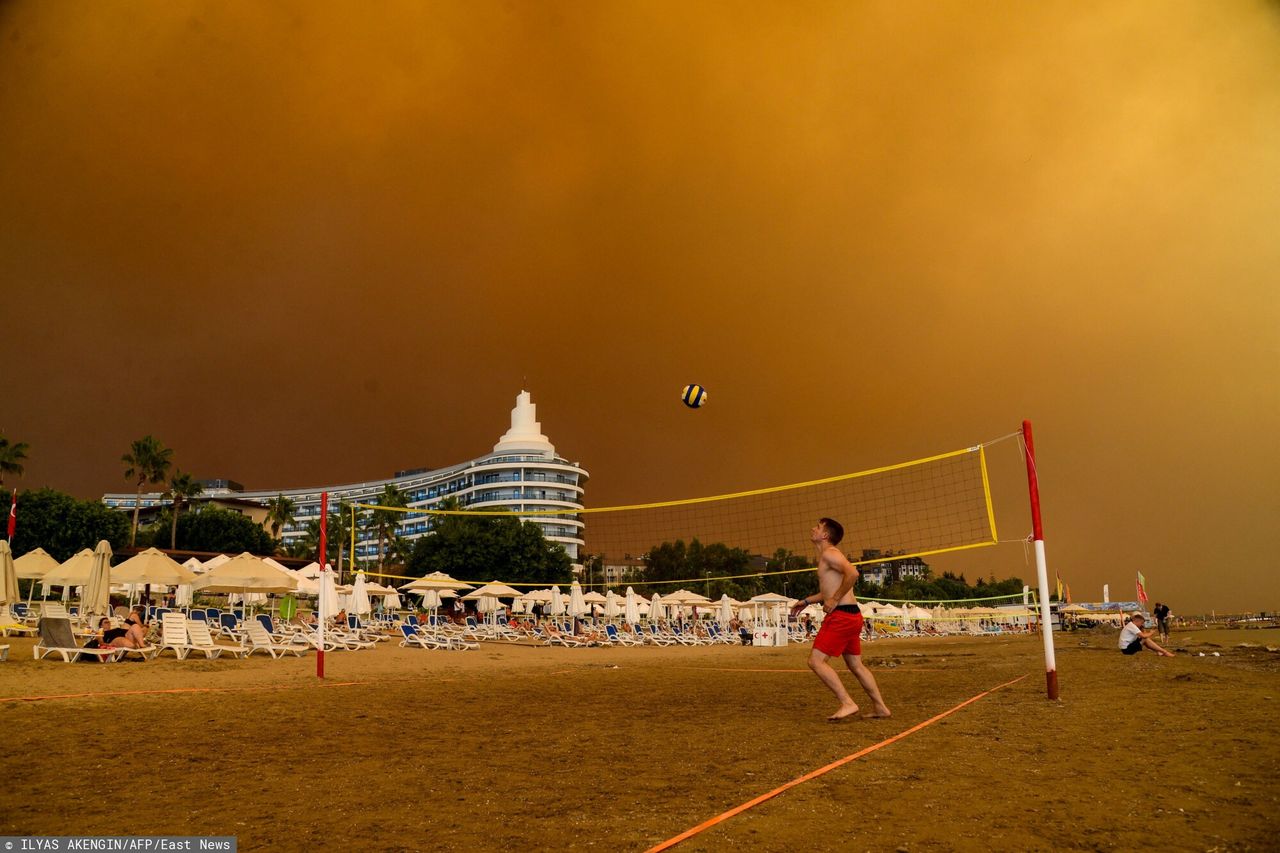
(307, 243)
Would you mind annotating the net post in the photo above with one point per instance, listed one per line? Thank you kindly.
(324, 564)
(1042, 569)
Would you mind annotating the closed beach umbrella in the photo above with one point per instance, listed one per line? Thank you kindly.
(632, 614)
(557, 602)
(182, 595)
(391, 601)
(360, 604)
(328, 596)
(656, 610)
(96, 597)
(726, 609)
(611, 608)
(8, 575)
(577, 606)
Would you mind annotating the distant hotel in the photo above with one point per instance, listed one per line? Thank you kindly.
(522, 474)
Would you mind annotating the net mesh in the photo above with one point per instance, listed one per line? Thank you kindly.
(926, 506)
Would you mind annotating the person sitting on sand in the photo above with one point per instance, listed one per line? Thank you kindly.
(1133, 639)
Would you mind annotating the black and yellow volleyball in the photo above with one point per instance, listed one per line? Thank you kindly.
(694, 396)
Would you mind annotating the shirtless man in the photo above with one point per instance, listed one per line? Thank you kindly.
(841, 631)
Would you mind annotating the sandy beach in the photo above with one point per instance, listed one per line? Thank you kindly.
(621, 749)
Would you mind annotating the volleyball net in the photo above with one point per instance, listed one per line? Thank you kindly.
(913, 509)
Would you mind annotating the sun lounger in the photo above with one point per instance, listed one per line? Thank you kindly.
(4, 652)
(419, 638)
(261, 641)
(202, 641)
(56, 638)
(620, 638)
(173, 635)
(9, 622)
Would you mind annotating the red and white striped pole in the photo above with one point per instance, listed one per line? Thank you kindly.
(324, 567)
(1042, 569)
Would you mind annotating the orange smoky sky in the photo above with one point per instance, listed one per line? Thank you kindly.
(313, 243)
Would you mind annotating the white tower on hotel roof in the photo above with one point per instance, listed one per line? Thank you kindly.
(525, 433)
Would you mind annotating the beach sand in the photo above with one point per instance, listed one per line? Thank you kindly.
(619, 749)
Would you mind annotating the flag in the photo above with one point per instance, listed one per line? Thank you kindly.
(13, 515)
(1059, 577)
(1142, 588)
(1068, 593)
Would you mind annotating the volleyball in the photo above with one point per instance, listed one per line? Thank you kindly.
(694, 396)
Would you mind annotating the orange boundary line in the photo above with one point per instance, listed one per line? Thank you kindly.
(183, 690)
(720, 818)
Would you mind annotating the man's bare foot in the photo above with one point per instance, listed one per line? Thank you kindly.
(878, 714)
(1168, 654)
(845, 711)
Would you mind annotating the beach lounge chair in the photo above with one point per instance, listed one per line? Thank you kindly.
(229, 626)
(618, 638)
(9, 622)
(4, 652)
(202, 641)
(197, 614)
(420, 639)
(56, 638)
(261, 641)
(173, 635)
(658, 638)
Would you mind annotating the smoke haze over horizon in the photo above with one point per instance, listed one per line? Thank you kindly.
(316, 243)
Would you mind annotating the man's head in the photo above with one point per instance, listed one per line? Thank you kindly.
(827, 530)
(1139, 620)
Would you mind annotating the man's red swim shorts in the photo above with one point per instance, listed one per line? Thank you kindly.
(840, 634)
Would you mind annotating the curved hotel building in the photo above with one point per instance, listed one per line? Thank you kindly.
(522, 474)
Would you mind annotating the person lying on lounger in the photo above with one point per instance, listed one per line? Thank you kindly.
(135, 636)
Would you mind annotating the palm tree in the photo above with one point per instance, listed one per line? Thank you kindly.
(340, 531)
(149, 461)
(386, 520)
(11, 457)
(279, 514)
(181, 487)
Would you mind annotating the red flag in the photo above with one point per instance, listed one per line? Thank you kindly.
(13, 514)
(1142, 588)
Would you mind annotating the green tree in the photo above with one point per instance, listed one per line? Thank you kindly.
(62, 525)
(211, 528)
(495, 545)
(279, 513)
(148, 461)
(385, 521)
(182, 486)
(12, 455)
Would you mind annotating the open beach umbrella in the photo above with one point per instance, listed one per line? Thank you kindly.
(656, 610)
(214, 562)
(577, 606)
(435, 580)
(360, 604)
(34, 564)
(73, 572)
(632, 612)
(152, 566)
(594, 597)
(557, 602)
(493, 589)
(914, 612)
(193, 564)
(95, 600)
(8, 575)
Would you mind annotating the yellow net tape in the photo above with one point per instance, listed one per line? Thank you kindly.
(919, 508)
